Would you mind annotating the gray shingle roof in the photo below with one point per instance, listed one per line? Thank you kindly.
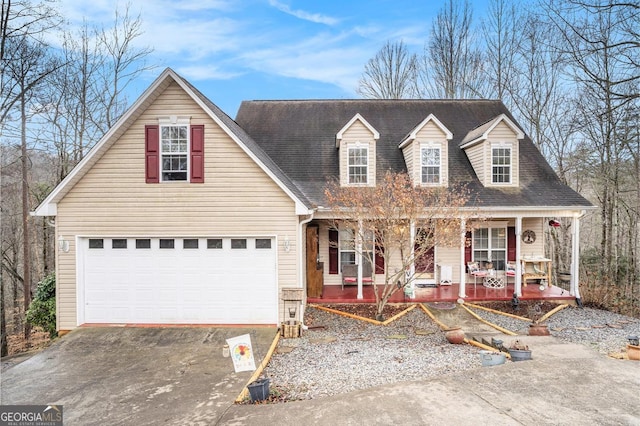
(255, 148)
(299, 136)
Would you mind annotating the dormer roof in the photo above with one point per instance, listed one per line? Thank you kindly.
(481, 132)
(357, 117)
(430, 118)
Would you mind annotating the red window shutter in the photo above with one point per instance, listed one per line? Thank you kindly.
(197, 154)
(511, 244)
(379, 258)
(333, 251)
(152, 153)
(467, 248)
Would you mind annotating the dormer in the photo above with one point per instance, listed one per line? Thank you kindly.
(426, 152)
(493, 150)
(356, 143)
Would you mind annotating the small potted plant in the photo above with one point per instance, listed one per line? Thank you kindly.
(519, 351)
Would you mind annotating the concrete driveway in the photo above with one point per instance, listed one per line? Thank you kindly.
(565, 384)
(136, 376)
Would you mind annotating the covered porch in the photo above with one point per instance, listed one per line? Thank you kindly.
(506, 240)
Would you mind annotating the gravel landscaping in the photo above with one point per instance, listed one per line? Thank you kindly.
(339, 354)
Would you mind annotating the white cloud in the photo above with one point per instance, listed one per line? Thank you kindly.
(301, 14)
(205, 72)
(218, 39)
(326, 58)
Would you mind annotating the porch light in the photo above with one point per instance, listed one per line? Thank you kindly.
(63, 244)
(287, 244)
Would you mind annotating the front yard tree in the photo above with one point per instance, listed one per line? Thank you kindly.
(398, 222)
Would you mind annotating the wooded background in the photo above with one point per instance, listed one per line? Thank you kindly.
(569, 70)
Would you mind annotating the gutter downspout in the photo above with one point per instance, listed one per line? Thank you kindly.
(300, 263)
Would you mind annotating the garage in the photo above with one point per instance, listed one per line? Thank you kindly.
(177, 280)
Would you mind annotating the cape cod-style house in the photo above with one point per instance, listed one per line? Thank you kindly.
(183, 215)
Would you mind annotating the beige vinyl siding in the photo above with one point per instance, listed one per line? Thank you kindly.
(357, 133)
(476, 155)
(450, 256)
(536, 248)
(408, 151)
(113, 200)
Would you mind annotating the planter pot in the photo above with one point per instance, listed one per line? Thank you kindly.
(633, 352)
(259, 390)
(490, 358)
(539, 330)
(455, 335)
(564, 276)
(520, 355)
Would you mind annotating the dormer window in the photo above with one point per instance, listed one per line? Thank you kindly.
(426, 153)
(500, 165)
(358, 165)
(431, 164)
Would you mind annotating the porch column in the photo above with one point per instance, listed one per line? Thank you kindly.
(412, 243)
(463, 268)
(518, 281)
(359, 259)
(574, 289)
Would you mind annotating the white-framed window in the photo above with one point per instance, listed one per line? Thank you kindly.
(174, 152)
(500, 164)
(358, 164)
(347, 246)
(430, 160)
(490, 244)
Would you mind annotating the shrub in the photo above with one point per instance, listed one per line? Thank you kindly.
(42, 310)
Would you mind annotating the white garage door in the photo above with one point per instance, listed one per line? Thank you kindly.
(177, 281)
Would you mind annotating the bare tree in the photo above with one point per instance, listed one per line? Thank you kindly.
(598, 44)
(399, 222)
(452, 63)
(502, 33)
(28, 69)
(391, 74)
(19, 20)
(123, 62)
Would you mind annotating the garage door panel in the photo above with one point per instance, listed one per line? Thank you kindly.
(180, 285)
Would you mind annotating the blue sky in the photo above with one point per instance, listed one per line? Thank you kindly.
(268, 49)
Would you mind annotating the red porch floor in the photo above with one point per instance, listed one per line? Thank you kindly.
(479, 293)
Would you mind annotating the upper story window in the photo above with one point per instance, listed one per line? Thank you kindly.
(500, 165)
(358, 164)
(175, 152)
(431, 164)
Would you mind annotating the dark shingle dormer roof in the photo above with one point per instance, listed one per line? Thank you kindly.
(300, 138)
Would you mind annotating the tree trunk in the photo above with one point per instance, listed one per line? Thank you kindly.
(26, 260)
(4, 350)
